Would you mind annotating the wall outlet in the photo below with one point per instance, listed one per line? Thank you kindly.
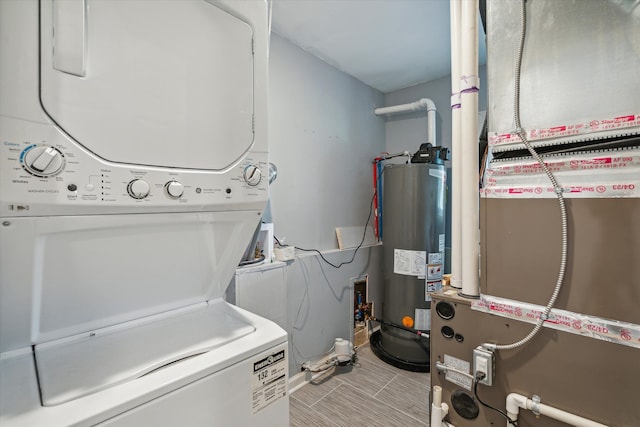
(484, 362)
(285, 253)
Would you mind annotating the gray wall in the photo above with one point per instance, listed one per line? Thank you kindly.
(323, 136)
(408, 131)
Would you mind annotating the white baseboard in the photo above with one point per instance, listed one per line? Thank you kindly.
(305, 377)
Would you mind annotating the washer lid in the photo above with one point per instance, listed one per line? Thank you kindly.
(165, 83)
(74, 367)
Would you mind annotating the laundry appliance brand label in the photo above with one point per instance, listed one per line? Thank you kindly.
(269, 380)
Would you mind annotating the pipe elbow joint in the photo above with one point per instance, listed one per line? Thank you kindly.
(515, 401)
(445, 409)
(427, 103)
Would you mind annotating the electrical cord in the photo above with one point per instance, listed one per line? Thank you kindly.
(557, 188)
(480, 376)
(353, 257)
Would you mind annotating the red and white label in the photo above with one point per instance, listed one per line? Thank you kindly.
(615, 174)
(611, 163)
(623, 189)
(567, 130)
(581, 324)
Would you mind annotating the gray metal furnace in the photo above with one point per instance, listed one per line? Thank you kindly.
(414, 221)
(585, 125)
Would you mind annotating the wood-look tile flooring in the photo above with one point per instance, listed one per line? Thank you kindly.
(371, 393)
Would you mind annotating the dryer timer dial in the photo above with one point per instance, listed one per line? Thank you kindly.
(43, 161)
(174, 189)
(252, 175)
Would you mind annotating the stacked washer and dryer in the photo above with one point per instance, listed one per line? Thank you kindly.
(133, 141)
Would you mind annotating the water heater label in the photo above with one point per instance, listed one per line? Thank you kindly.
(438, 173)
(269, 380)
(410, 263)
(422, 319)
(434, 272)
(441, 243)
(431, 287)
(435, 258)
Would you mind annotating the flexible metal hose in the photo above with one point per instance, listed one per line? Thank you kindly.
(557, 188)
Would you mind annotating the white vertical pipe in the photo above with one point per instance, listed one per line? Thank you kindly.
(431, 123)
(456, 148)
(437, 395)
(469, 136)
(439, 410)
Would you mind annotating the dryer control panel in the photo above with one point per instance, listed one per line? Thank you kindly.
(46, 173)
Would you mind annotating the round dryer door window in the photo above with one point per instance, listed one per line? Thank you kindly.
(149, 83)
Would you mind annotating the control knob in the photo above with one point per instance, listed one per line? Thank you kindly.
(43, 161)
(252, 175)
(138, 188)
(174, 189)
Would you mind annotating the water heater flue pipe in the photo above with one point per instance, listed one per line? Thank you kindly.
(470, 196)
(516, 401)
(419, 105)
(456, 146)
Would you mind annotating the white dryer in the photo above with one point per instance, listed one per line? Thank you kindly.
(133, 143)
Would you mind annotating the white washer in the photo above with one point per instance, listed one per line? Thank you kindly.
(132, 150)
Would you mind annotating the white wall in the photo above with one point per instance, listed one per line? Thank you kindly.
(323, 136)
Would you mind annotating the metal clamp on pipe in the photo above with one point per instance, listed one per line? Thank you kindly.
(535, 406)
(516, 401)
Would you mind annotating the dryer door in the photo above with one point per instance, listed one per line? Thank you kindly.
(163, 83)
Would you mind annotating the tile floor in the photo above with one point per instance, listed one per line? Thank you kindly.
(371, 393)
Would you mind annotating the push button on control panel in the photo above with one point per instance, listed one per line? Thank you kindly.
(138, 188)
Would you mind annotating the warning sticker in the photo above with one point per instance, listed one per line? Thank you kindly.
(441, 243)
(410, 263)
(455, 377)
(434, 272)
(431, 287)
(435, 257)
(269, 380)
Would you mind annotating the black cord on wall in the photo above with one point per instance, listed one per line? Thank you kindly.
(353, 257)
